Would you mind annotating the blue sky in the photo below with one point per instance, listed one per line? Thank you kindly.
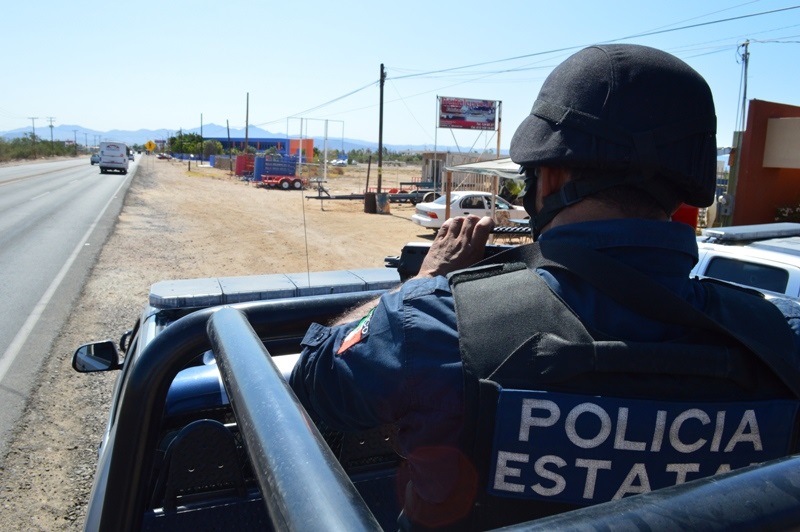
(160, 65)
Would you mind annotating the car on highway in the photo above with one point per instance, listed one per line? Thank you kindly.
(761, 256)
(94, 159)
(462, 203)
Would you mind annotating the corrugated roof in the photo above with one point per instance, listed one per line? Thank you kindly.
(505, 168)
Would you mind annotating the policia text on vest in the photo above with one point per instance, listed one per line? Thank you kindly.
(555, 446)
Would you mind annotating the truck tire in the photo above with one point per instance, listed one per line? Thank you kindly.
(285, 184)
(430, 196)
(297, 184)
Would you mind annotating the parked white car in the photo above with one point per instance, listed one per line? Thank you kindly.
(462, 203)
(762, 256)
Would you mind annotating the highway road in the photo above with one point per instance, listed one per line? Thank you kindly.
(54, 219)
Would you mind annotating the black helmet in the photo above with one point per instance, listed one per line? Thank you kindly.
(627, 107)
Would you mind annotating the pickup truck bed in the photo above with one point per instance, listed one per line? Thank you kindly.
(204, 432)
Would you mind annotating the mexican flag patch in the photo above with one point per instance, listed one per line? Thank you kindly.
(357, 334)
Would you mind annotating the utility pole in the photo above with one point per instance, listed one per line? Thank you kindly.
(499, 124)
(247, 124)
(33, 137)
(230, 148)
(745, 61)
(728, 200)
(380, 132)
(201, 137)
(86, 140)
(75, 140)
(52, 148)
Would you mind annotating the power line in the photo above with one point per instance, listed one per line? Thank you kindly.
(9, 114)
(635, 36)
(647, 34)
(370, 84)
(448, 71)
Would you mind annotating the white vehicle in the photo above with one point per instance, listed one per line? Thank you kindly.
(113, 157)
(762, 256)
(462, 203)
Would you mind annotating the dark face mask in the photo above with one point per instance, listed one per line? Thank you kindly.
(529, 200)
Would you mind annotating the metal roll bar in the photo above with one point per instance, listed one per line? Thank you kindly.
(282, 442)
(124, 473)
(303, 485)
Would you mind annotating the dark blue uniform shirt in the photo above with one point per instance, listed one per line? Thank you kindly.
(401, 363)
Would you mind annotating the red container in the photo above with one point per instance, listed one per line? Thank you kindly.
(686, 214)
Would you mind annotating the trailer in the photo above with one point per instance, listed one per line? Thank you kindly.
(283, 182)
(281, 174)
(420, 192)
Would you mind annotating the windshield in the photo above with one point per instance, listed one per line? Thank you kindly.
(442, 200)
(500, 203)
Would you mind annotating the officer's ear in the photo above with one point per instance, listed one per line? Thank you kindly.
(552, 178)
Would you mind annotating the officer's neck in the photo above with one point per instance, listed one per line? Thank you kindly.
(588, 210)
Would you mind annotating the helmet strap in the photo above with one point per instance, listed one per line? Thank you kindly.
(576, 190)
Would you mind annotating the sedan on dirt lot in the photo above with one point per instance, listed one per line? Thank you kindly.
(462, 203)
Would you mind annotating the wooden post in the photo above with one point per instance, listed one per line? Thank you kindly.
(499, 125)
(448, 186)
(495, 181)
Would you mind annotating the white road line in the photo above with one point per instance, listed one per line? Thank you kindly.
(39, 196)
(22, 336)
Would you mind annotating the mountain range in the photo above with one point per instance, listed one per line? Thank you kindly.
(90, 137)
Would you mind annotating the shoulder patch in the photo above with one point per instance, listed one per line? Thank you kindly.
(358, 333)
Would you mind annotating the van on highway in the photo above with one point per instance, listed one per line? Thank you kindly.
(113, 157)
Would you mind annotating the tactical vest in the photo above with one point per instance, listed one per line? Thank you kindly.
(559, 417)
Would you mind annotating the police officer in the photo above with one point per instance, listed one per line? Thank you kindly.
(588, 366)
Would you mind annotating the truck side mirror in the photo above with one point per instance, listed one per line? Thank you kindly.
(97, 356)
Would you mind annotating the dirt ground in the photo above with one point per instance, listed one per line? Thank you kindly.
(176, 223)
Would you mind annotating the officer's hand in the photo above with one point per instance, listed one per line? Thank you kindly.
(461, 242)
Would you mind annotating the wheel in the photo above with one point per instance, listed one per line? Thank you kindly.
(285, 184)
(297, 184)
(429, 197)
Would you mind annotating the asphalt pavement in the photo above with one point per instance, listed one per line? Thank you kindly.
(55, 217)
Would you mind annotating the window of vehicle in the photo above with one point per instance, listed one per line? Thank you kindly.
(500, 203)
(442, 200)
(748, 273)
(472, 202)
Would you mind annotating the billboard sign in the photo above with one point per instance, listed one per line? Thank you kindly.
(463, 113)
